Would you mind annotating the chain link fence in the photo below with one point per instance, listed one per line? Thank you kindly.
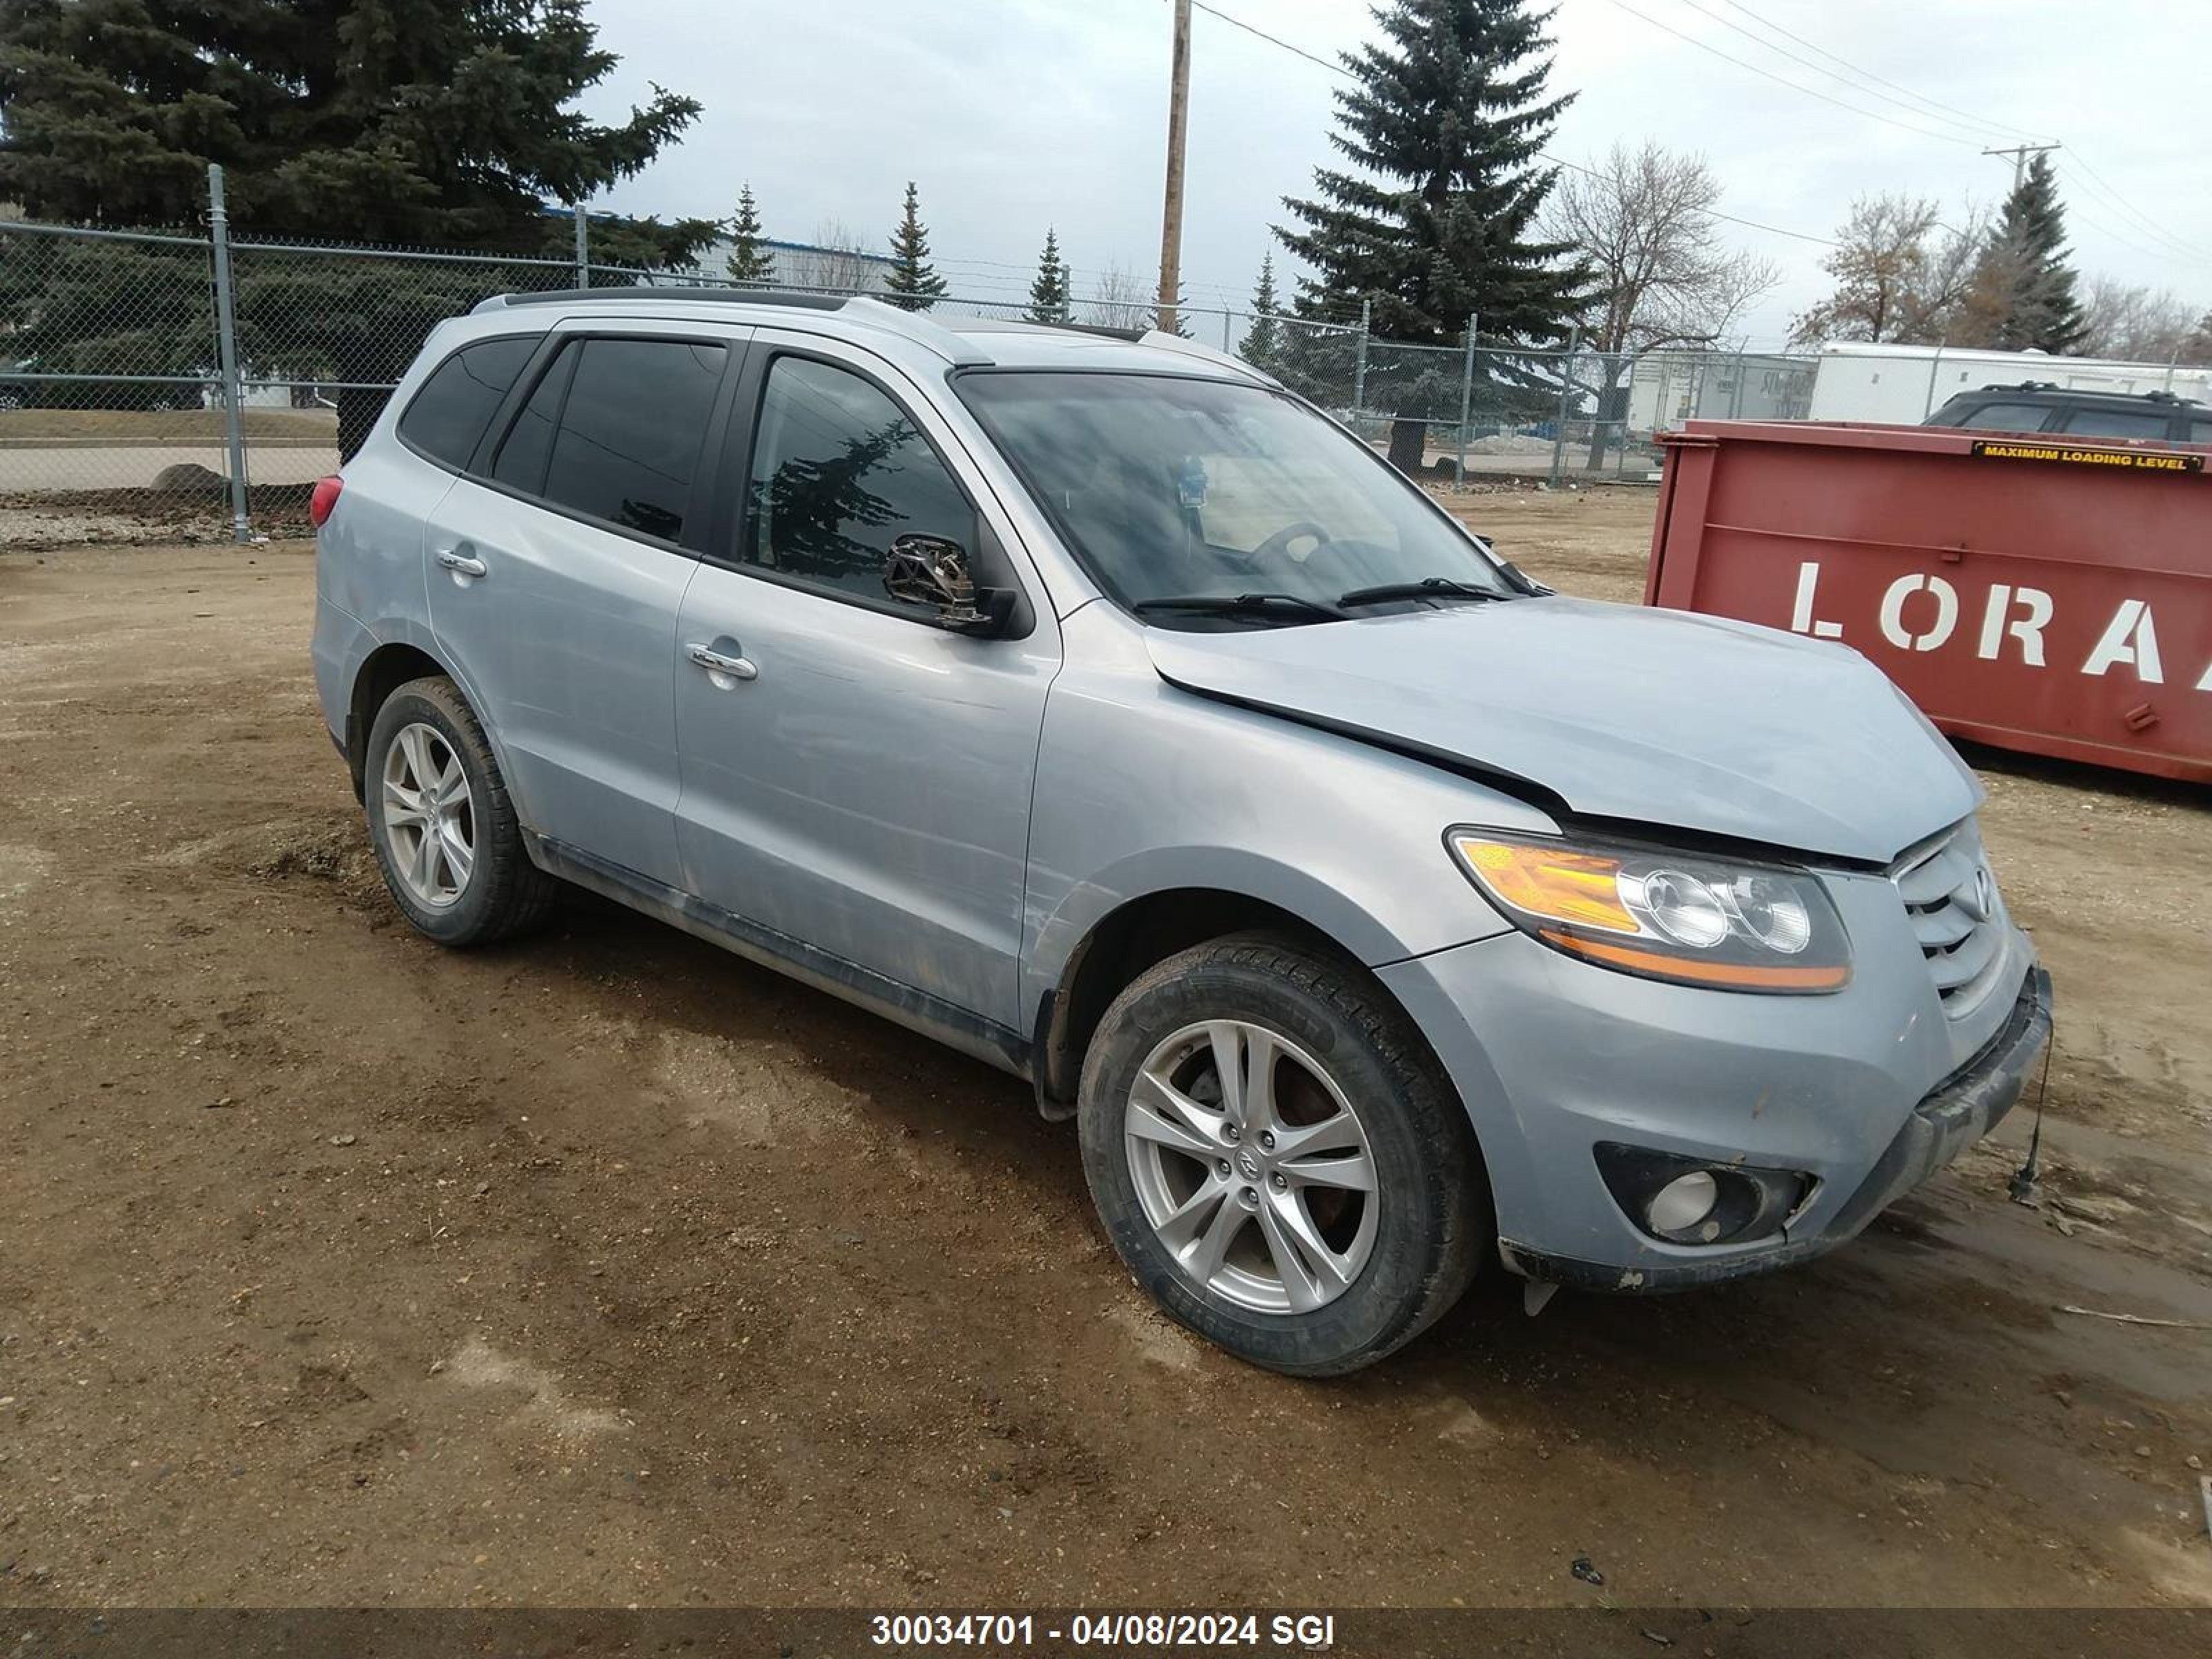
(117, 394)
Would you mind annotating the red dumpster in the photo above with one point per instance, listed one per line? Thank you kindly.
(2048, 594)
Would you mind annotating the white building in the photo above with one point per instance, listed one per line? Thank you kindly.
(1904, 385)
(804, 266)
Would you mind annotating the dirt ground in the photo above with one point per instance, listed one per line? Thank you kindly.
(162, 426)
(606, 1268)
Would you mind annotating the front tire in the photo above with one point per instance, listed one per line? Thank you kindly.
(445, 834)
(1279, 1160)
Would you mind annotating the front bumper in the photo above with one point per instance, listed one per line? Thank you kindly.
(1864, 1092)
(1961, 1110)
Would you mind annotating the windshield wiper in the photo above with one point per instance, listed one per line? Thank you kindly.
(1429, 587)
(1241, 605)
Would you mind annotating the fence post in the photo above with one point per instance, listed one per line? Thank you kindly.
(1559, 426)
(1466, 405)
(1360, 365)
(583, 250)
(226, 348)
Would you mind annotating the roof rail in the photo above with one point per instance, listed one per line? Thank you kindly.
(680, 292)
(890, 319)
(1166, 341)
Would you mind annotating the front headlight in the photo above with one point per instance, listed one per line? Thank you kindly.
(1695, 919)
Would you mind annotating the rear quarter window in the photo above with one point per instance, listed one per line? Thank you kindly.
(2119, 423)
(449, 414)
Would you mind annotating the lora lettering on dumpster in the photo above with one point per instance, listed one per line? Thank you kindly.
(2126, 460)
(2003, 621)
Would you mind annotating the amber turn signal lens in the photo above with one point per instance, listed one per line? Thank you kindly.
(1551, 881)
(1737, 976)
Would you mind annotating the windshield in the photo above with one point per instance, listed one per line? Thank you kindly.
(1203, 491)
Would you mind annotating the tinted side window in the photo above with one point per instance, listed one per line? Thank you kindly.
(839, 473)
(2119, 423)
(2006, 417)
(455, 405)
(528, 445)
(2200, 432)
(631, 430)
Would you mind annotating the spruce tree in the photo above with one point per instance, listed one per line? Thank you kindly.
(1181, 312)
(913, 283)
(2022, 296)
(410, 123)
(1048, 291)
(1264, 338)
(1438, 221)
(751, 263)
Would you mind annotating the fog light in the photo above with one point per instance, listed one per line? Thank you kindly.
(1682, 1203)
(1695, 1200)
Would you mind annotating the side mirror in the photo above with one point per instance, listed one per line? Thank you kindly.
(932, 571)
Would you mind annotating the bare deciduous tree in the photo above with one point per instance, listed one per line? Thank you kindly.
(2140, 324)
(839, 261)
(1901, 275)
(1118, 300)
(1642, 219)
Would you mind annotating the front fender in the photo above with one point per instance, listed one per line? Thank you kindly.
(1143, 789)
(1238, 871)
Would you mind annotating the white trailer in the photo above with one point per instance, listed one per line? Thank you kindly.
(1904, 385)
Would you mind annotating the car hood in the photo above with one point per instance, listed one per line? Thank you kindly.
(1655, 716)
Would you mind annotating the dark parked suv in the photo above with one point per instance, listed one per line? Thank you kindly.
(2041, 406)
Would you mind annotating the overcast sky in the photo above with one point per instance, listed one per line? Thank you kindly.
(1014, 114)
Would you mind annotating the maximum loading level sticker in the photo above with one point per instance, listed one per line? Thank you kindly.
(2128, 460)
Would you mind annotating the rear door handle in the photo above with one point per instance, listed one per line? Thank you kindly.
(462, 564)
(718, 662)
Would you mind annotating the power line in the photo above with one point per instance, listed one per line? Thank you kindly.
(1846, 80)
(1553, 160)
(2179, 251)
(1272, 40)
(2088, 177)
(1810, 92)
(2074, 209)
(2105, 192)
(1934, 104)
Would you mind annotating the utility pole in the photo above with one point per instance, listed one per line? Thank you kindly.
(1171, 210)
(2020, 153)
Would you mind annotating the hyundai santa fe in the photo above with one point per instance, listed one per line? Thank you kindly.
(1091, 704)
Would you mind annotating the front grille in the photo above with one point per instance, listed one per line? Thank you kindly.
(1952, 902)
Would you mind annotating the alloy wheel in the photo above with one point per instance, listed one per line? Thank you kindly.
(430, 816)
(1252, 1166)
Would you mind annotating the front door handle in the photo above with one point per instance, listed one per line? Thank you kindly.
(462, 564)
(721, 663)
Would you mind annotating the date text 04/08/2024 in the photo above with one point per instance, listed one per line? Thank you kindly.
(1311, 1631)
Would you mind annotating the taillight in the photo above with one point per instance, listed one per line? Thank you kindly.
(325, 497)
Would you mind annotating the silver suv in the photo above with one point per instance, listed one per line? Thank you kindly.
(1088, 702)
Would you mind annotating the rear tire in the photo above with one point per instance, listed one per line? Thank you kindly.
(445, 834)
(1349, 1209)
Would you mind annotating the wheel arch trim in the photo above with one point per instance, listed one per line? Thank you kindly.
(394, 635)
(1244, 888)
